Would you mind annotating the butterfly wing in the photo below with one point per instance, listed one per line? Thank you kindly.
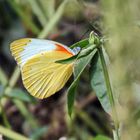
(26, 48)
(41, 76)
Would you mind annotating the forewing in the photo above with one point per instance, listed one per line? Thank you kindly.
(26, 48)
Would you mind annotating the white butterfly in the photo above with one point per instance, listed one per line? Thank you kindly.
(41, 76)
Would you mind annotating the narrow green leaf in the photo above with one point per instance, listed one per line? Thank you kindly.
(26, 114)
(14, 77)
(80, 65)
(101, 137)
(20, 94)
(68, 60)
(54, 20)
(92, 124)
(98, 82)
(30, 24)
(38, 11)
(1, 90)
(37, 134)
(11, 134)
(86, 51)
(48, 7)
(3, 77)
(83, 43)
(92, 37)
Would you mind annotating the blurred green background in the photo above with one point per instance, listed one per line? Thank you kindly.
(66, 22)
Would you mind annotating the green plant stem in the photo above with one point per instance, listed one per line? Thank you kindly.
(89, 122)
(11, 134)
(38, 11)
(4, 117)
(24, 17)
(11, 84)
(115, 135)
(23, 110)
(3, 78)
(54, 20)
(109, 91)
(14, 77)
(4, 81)
(48, 7)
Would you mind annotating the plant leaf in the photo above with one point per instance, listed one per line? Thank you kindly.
(3, 77)
(38, 11)
(83, 43)
(26, 18)
(68, 60)
(80, 65)
(85, 51)
(54, 20)
(1, 90)
(101, 137)
(21, 95)
(37, 134)
(98, 83)
(48, 7)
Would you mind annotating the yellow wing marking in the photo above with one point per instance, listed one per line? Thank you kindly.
(17, 47)
(42, 77)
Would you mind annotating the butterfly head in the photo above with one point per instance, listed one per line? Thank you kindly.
(76, 50)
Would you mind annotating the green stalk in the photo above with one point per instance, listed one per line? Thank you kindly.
(24, 17)
(109, 91)
(88, 121)
(3, 78)
(48, 7)
(14, 77)
(38, 11)
(11, 134)
(54, 20)
(4, 81)
(4, 117)
(23, 110)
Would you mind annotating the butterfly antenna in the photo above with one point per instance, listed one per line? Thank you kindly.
(92, 26)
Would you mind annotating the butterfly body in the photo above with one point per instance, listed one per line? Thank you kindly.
(41, 75)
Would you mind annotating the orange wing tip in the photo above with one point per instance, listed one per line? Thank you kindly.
(61, 48)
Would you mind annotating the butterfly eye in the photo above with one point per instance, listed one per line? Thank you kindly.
(76, 50)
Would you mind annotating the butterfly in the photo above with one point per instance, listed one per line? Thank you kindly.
(41, 75)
